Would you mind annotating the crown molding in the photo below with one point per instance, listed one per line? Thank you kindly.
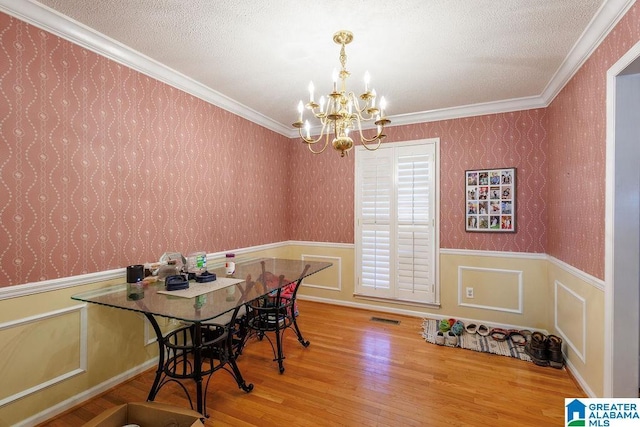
(483, 109)
(50, 20)
(600, 26)
(62, 26)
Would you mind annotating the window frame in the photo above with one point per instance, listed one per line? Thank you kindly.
(393, 294)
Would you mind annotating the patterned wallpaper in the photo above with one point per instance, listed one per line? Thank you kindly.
(577, 144)
(101, 166)
(515, 139)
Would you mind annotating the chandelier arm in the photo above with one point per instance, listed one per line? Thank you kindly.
(324, 147)
(366, 140)
(372, 148)
(356, 106)
(311, 141)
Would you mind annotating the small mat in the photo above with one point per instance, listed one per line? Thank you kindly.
(477, 342)
(196, 289)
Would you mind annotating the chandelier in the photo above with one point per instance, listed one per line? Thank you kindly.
(343, 111)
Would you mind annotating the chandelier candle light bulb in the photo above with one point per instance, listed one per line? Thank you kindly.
(345, 111)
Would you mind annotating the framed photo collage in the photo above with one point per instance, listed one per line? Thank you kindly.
(491, 200)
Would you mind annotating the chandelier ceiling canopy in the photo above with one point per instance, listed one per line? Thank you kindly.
(343, 112)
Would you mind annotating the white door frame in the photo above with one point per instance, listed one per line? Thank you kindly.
(621, 294)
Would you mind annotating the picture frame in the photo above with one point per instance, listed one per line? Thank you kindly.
(490, 200)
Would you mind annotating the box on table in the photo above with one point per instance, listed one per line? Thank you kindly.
(147, 414)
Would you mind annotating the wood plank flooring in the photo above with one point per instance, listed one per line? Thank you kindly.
(361, 372)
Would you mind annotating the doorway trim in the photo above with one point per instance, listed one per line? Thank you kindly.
(616, 349)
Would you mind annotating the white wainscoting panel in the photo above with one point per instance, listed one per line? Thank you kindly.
(82, 348)
(489, 272)
(335, 272)
(570, 318)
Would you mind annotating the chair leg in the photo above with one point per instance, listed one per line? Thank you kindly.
(280, 357)
(298, 333)
(238, 376)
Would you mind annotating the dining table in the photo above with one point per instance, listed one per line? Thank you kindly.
(195, 309)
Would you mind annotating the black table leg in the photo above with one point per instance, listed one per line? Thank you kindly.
(161, 353)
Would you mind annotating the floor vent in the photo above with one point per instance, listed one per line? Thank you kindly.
(383, 320)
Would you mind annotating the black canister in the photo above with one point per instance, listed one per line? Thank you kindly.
(135, 273)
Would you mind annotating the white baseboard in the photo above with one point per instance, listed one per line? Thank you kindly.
(583, 384)
(412, 313)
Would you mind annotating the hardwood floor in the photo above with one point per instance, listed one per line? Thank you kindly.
(361, 372)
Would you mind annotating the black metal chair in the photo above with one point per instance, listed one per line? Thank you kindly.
(195, 351)
(276, 312)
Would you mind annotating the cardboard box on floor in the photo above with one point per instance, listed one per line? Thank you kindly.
(147, 414)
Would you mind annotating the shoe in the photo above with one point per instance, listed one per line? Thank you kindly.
(538, 349)
(483, 330)
(556, 359)
(444, 325)
(471, 328)
(451, 339)
(517, 337)
(499, 334)
(458, 328)
(526, 334)
(440, 338)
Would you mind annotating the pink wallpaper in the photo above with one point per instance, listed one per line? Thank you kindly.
(101, 166)
(500, 140)
(577, 142)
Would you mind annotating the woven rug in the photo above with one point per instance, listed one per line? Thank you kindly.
(477, 342)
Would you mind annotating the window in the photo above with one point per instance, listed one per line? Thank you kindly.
(395, 221)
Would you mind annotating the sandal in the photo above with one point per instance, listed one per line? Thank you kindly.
(526, 334)
(483, 330)
(499, 334)
(517, 337)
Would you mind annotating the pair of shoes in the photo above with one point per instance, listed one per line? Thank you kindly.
(457, 328)
(451, 339)
(514, 335)
(440, 338)
(545, 350)
(556, 359)
(481, 329)
(538, 349)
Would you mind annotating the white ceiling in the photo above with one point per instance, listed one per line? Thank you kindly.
(431, 59)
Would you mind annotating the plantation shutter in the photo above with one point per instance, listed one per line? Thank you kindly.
(395, 208)
(375, 221)
(414, 260)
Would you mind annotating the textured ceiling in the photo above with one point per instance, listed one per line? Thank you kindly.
(424, 56)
